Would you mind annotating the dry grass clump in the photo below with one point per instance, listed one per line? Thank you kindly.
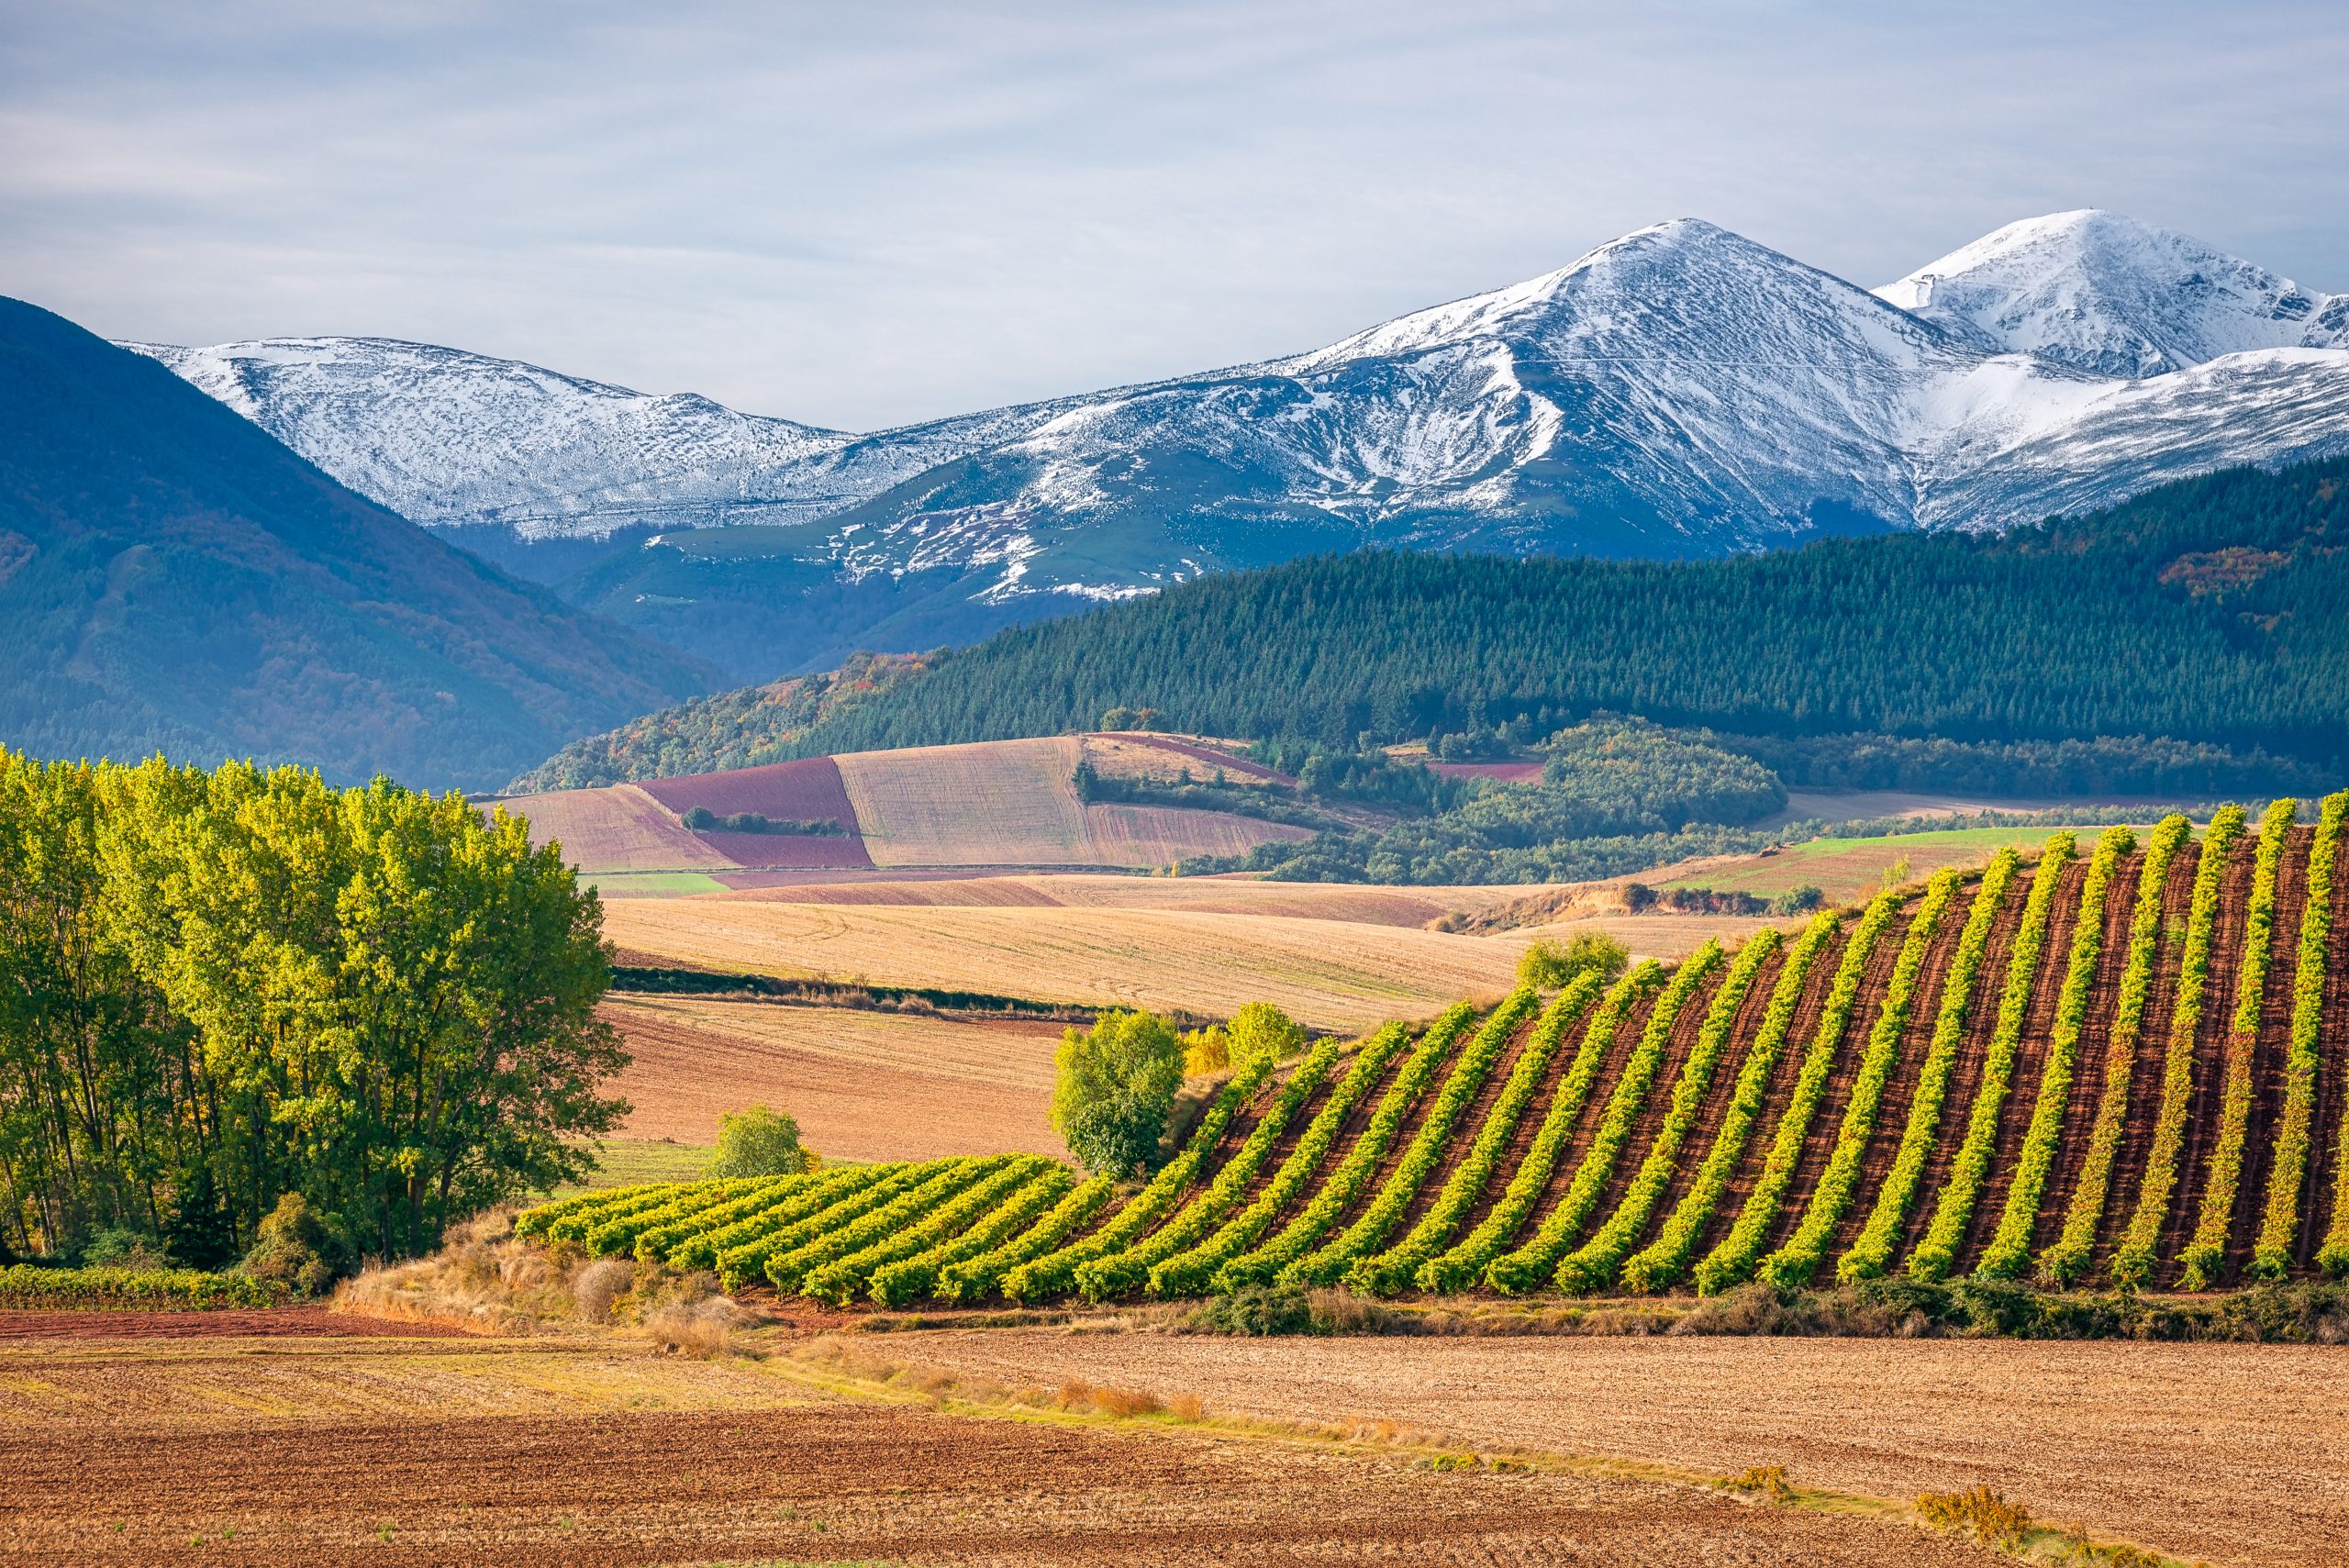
(486, 1280)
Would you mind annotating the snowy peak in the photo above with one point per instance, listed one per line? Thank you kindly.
(2108, 294)
(441, 436)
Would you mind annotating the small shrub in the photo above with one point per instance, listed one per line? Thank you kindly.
(702, 1329)
(599, 1285)
(1205, 1051)
(1767, 1481)
(1257, 1310)
(760, 1141)
(1989, 1518)
(1259, 1028)
(298, 1248)
(1549, 965)
(121, 1248)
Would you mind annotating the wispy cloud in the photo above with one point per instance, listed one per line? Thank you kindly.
(866, 215)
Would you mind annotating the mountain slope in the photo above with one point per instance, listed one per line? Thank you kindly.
(2107, 294)
(171, 578)
(1681, 392)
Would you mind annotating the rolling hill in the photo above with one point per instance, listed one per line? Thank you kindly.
(2119, 1062)
(1679, 392)
(173, 579)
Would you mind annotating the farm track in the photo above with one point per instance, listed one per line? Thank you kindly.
(2332, 1083)
(2153, 1047)
(2269, 1049)
(1723, 1089)
(2089, 1076)
(1818, 1142)
(2030, 1060)
(2210, 1066)
(1782, 1078)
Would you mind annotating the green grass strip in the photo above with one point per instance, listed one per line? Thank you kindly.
(1361, 1161)
(2272, 1256)
(2064, 1260)
(1593, 1265)
(1532, 1265)
(1665, 1260)
(2009, 1248)
(1870, 1256)
(2133, 1260)
(1399, 1265)
(1839, 1185)
(1465, 1262)
(1376, 1223)
(1731, 1263)
(2205, 1256)
(1937, 1253)
(1189, 1272)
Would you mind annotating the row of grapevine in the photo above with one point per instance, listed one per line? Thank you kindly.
(1593, 1265)
(1360, 1162)
(1731, 1262)
(2271, 1252)
(2133, 1260)
(2204, 1253)
(1401, 1264)
(1469, 1257)
(1935, 1255)
(1530, 1266)
(1187, 1273)
(1795, 1263)
(852, 1267)
(1121, 1271)
(2010, 1245)
(2064, 1260)
(909, 1278)
(1376, 1223)
(1871, 1255)
(1665, 1259)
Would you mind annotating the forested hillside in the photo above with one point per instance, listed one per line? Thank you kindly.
(2122, 1064)
(2191, 641)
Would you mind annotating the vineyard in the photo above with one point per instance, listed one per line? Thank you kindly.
(2124, 1061)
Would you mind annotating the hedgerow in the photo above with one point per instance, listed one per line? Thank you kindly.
(812, 1215)
(1871, 1255)
(2009, 1247)
(787, 1268)
(27, 1286)
(2133, 1260)
(979, 1276)
(1466, 1260)
(1592, 1266)
(1795, 1263)
(2272, 1255)
(2066, 1260)
(1731, 1262)
(840, 1280)
(1970, 1171)
(1053, 1273)
(702, 1248)
(1399, 1264)
(1360, 1162)
(1187, 1273)
(1531, 1264)
(1123, 1271)
(1665, 1260)
(909, 1279)
(2207, 1253)
(1374, 1225)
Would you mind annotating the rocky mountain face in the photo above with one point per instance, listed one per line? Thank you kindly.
(1679, 392)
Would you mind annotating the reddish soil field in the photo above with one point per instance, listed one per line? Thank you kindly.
(797, 852)
(804, 791)
(283, 1322)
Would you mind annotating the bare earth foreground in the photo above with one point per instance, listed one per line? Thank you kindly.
(2235, 1454)
(192, 1447)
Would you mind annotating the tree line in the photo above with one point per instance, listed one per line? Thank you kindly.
(218, 987)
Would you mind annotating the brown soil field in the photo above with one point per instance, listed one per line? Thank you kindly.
(1326, 974)
(2236, 1453)
(1127, 754)
(253, 1451)
(1360, 903)
(619, 828)
(863, 1085)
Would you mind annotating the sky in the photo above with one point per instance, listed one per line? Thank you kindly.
(861, 216)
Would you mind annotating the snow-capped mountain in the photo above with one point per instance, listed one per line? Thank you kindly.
(2112, 295)
(1680, 390)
